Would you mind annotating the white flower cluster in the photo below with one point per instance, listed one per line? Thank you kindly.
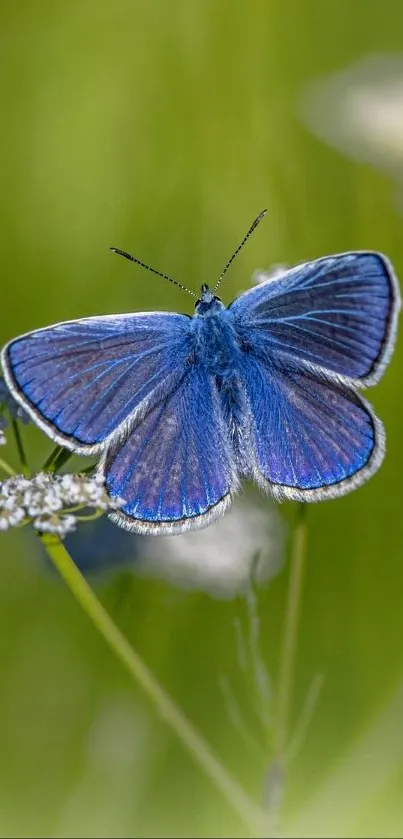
(45, 499)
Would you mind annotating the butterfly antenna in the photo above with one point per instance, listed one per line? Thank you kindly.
(240, 246)
(153, 270)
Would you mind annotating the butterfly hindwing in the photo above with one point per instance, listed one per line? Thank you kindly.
(80, 380)
(174, 468)
(338, 313)
(313, 437)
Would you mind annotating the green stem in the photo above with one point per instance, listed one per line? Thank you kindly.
(57, 458)
(251, 815)
(6, 468)
(276, 776)
(91, 516)
(88, 469)
(20, 447)
(290, 637)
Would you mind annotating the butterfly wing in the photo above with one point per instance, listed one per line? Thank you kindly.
(80, 380)
(313, 437)
(338, 314)
(174, 467)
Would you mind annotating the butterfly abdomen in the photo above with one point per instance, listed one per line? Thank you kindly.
(219, 350)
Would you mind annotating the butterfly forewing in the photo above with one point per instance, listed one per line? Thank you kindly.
(337, 313)
(81, 379)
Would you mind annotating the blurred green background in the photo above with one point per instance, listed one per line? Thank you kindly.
(163, 128)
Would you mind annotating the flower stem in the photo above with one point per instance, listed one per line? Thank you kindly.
(20, 447)
(252, 816)
(6, 468)
(91, 516)
(57, 458)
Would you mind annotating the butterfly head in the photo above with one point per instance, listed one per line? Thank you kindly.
(208, 303)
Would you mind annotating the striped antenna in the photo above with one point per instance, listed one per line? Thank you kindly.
(153, 270)
(253, 227)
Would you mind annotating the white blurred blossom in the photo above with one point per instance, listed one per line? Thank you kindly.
(120, 743)
(359, 110)
(246, 544)
(272, 273)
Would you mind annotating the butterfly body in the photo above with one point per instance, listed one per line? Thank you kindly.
(182, 408)
(217, 346)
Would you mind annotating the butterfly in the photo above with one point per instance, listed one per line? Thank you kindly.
(182, 408)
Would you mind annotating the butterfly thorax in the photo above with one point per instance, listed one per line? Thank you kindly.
(216, 347)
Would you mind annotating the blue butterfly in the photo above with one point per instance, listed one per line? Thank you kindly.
(182, 408)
